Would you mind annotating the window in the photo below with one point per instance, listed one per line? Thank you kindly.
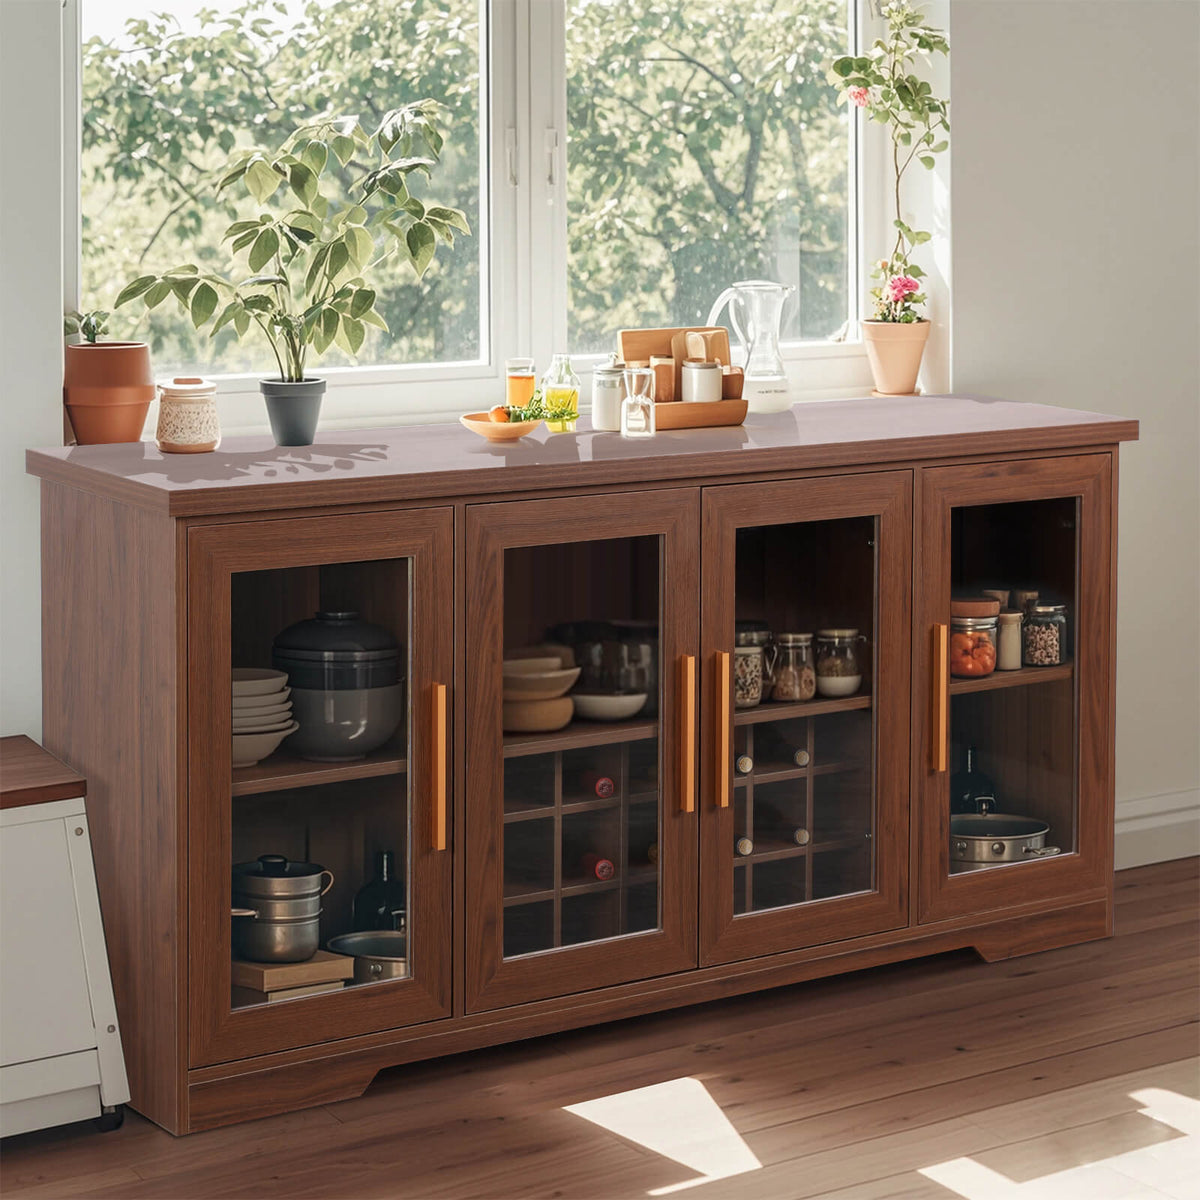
(620, 162)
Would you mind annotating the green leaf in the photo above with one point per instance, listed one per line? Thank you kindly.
(371, 317)
(244, 239)
(264, 249)
(261, 180)
(843, 66)
(358, 242)
(414, 208)
(364, 299)
(315, 269)
(157, 294)
(343, 147)
(354, 332)
(303, 182)
(421, 246)
(452, 217)
(339, 259)
(262, 281)
(227, 315)
(204, 304)
(315, 156)
(183, 289)
(241, 322)
(143, 283)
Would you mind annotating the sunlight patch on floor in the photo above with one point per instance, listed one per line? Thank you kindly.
(679, 1120)
(1170, 1168)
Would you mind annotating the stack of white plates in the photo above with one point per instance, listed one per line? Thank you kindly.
(262, 713)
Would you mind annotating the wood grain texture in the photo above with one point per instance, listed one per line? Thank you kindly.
(111, 708)
(841, 1088)
(885, 498)
(1088, 480)
(31, 775)
(442, 461)
(672, 519)
(216, 556)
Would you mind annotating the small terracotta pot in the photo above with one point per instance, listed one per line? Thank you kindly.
(108, 388)
(894, 351)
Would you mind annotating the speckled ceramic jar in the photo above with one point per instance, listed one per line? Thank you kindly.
(187, 416)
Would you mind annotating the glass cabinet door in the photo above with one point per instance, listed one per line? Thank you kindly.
(806, 625)
(320, 875)
(581, 825)
(1013, 768)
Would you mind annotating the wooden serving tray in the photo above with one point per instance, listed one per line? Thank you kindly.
(700, 415)
(640, 345)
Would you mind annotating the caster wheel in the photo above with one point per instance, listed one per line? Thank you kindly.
(110, 1118)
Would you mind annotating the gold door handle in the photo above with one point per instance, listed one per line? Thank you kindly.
(722, 733)
(438, 761)
(687, 742)
(941, 697)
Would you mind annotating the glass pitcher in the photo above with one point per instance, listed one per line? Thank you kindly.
(756, 312)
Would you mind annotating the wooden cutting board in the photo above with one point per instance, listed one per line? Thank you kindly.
(323, 967)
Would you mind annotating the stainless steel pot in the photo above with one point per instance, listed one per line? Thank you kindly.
(993, 838)
(377, 953)
(277, 904)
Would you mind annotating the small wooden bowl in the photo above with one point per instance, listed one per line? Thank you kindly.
(497, 431)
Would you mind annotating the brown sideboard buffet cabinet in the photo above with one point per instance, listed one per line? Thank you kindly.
(708, 842)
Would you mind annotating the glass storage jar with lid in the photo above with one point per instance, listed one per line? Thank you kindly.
(795, 672)
(1044, 637)
(973, 636)
(839, 669)
(1008, 640)
(757, 633)
(747, 676)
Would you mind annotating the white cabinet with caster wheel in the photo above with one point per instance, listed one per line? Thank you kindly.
(60, 1046)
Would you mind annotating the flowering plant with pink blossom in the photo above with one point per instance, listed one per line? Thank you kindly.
(884, 83)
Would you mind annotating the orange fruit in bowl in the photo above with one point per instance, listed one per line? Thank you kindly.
(499, 414)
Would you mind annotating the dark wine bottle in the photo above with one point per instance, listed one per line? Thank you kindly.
(595, 866)
(599, 785)
(770, 823)
(381, 903)
(971, 791)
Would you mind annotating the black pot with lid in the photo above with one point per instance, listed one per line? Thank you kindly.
(337, 651)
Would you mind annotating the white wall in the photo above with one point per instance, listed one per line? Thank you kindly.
(30, 331)
(1075, 191)
(1076, 281)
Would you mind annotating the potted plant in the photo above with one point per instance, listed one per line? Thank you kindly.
(884, 83)
(107, 386)
(307, 267)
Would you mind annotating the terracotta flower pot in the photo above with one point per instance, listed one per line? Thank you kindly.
(894, 351)
(108, 387)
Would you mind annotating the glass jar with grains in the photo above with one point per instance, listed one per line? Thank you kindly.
(795, 673)
(839, 670)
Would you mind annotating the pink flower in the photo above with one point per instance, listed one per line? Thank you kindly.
(859, 95)
(900, 286)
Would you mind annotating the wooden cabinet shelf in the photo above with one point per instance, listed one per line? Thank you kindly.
(781, 773)
(284, 770)
(777, 851)
(771, 711)
(999, 680)
(517, 893)
(577, 735)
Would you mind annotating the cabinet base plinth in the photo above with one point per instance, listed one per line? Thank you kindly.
(279, 1083)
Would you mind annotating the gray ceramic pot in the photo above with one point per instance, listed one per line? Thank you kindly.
(341, 725)
(293, 409)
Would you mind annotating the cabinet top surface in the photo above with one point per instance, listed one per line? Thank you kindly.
(31, 775)
(413, 462)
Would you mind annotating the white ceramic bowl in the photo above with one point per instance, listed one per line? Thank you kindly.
(257, 681)
(249, 704)
(564, 656)
(544, 685)
(263, 724)
(604, 706)
(249, 748)
(533, 665)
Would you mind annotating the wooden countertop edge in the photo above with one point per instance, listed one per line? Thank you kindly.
(262, 497)
(32, 775)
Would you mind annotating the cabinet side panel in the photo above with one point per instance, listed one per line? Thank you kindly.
(109, 709)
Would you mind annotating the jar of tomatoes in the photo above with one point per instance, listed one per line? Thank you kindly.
(973, 636)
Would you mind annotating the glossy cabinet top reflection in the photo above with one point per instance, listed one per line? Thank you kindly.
(416, 462)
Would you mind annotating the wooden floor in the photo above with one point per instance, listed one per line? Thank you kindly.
(1071, 1073)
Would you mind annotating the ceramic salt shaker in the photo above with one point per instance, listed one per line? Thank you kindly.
(187, 416)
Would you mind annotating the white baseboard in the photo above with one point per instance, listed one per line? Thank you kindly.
(1154, 829)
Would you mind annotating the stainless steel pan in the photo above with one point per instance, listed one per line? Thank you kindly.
(988, 840)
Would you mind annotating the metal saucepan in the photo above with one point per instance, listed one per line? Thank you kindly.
(377, 953)
(280, 903)
(985, 841)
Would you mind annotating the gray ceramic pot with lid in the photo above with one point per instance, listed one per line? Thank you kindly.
(337, 651)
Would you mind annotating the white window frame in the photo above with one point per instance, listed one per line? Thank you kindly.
(523, 241)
